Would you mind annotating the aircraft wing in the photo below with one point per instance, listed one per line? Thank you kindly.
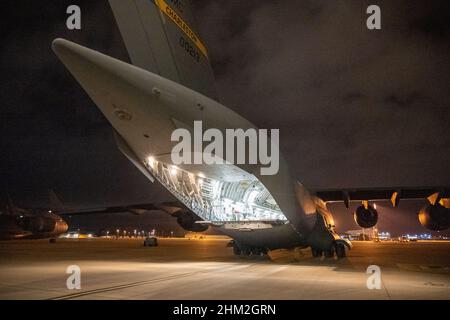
(169, 207)
(347, 195)
(187, 219)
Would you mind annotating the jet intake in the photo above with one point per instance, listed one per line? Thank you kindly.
(366, 216)
(435, 217)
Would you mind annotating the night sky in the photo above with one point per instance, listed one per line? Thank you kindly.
(355, 108)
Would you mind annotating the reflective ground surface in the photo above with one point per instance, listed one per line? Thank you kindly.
(207, 269)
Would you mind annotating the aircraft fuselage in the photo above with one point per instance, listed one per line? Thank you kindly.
(145, 109)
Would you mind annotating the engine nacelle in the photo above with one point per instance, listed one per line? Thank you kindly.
(435, 217)
(38, 224)
(366, 218)
(43, 224)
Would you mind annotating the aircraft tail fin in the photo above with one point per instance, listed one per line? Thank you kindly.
(10, 206)
(160, 38)
(7, 206)
(55, 203)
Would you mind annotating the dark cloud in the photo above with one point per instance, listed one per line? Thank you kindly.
(355, 107)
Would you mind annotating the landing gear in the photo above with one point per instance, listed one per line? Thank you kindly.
(255, 251)
(243, 250)
(340, 250)
(316, 253)
(329, 253)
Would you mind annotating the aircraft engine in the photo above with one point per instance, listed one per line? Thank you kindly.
(366, 218)
(435, 217)
(39, 224)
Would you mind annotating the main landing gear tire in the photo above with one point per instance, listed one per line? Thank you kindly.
(340, 251)
(329, 253)
(258, 252)
(316, 253)
(240, 250)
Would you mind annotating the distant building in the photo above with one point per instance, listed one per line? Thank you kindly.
(384, 236)
(367, 234)
(358, 234)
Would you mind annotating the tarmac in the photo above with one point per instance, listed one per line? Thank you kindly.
(206, 269)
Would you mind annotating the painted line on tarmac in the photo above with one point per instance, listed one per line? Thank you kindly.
(141, 283)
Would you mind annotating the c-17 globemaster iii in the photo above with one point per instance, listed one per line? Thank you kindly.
(169, 86)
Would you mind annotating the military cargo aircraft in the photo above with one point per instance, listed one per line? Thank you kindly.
(170, 85)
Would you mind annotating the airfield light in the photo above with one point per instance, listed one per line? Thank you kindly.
(375, 206)
(174, 171)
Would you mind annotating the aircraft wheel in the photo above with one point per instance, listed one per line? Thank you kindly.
(329, 253)
(258, 252)
(262, 252)
(316, 253)
(340, 251)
